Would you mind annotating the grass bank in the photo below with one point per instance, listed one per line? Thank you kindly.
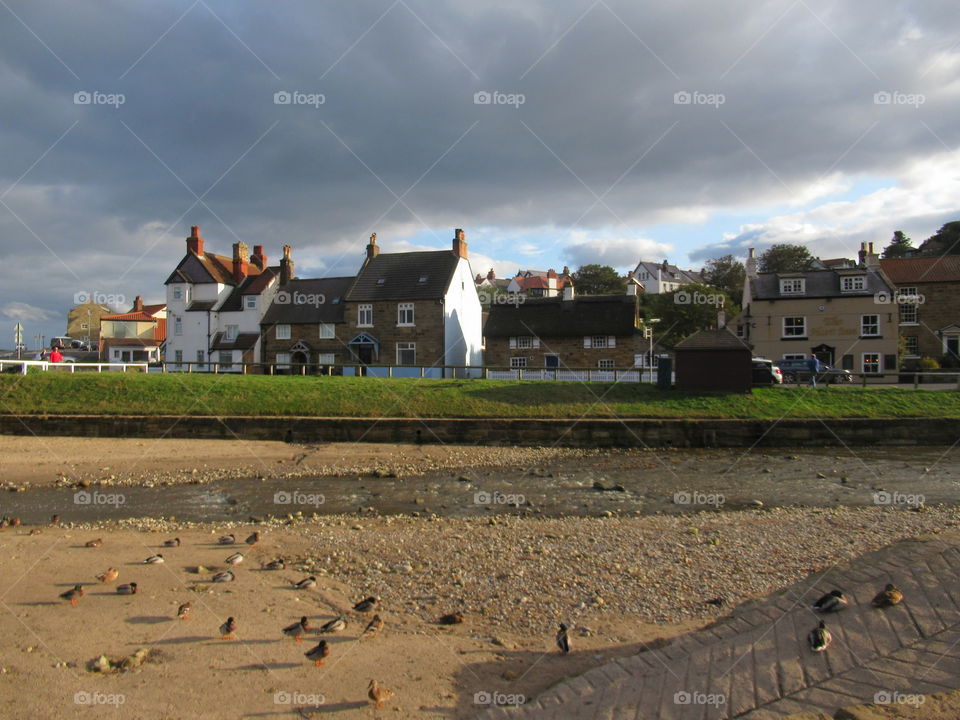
(180, 394)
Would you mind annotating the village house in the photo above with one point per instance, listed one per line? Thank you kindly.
(135, 336)
(658, 278)
(83, 320)
(833, 314)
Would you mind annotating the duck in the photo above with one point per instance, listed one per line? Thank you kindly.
(172, 543)
(94, 543)
(109, 575)
(297, 630)
(888, 597)
(338, 624)
(277, 564)
(73, 594)
(378, 693)
(128, 589)
(306, 583)
(563, 640)
(225, 576)
(454, 618)
(227, 540)
(367, 604)
(318, 653)
(374, 626)
(833, 601)
(15, 522)
(154, 559)
(183, 612)
(228, 628)
(819, 638)
(234, 559)
(54, 520)
(253, 539)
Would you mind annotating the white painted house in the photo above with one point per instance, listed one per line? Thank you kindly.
(658, 278)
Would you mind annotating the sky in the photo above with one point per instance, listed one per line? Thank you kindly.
(555, 133)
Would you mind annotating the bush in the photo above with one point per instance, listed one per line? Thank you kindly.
(928, 363)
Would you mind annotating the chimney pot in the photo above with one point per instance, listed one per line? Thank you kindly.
(286, 266)
(459, 243)
(258, 258)
(137, 304)
(372, 249)
(491, 275)
(195, 242)
(241, 259)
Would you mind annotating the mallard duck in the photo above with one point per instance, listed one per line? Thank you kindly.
(454, 618)
(277, 564)
(563, 640)
(225, 576)
(109, 575)
(227, 540)
(831, 602)
(183, 612)
(94, 543)
(374, 626)
(128, 589)
(378, 693)
(338, 624)
(228, 628)
(154, 559)
(306, 583)
(172, 543)
(73, 594)
(297, 630)
(318, 653)
(54, 520)
(888, 597)
(819, 638)
(253, 539)
(367, 605)
(234, 559)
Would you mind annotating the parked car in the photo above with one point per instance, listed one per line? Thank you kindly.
(765, 372)
(795, 371)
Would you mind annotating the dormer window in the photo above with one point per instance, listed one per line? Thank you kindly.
(381, 281)
(250, 302)
(423, 278)
(853, 283)
(792, 286)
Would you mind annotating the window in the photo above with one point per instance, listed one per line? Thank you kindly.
(524, 342)
(381, 281)
(325, 359)
(598, 341)
(741, 330)
(177, 292)
(226, 359)
(406, 353)
(178, 356)
(405, 314)
(911, 345)
(870, 325)
(518, 362)
(282, 360)
(794, 327)
(423, 278)
(792, 286)
(327, 331)
(178, 326)
(795, 356)
(853, 283)
(871, 362)
(120, 330)
(250, 302)
(84, 326)
(605, 364)
(231, 332)
(282, 332)
(365, 316)
(908, 305)
(644, 360)
(200, 359)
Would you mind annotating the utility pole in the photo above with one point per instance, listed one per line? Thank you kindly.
(18, 338)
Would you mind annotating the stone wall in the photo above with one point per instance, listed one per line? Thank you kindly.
(427, 332)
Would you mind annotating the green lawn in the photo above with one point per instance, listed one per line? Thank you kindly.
(179, 394)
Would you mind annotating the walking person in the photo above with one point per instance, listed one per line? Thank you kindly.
(55, 355)
(814, 366)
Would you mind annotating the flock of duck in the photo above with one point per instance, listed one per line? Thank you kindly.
(377, 693)
(834, 601)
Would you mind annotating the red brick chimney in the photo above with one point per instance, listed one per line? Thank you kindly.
(372, 249)
(195, 242)
(137, 304)
(286, 266)
(459, 243)
(258, 258)
(491, 275)
(241, 261)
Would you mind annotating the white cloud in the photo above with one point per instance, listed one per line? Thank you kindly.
(24, 312)
(618, 252)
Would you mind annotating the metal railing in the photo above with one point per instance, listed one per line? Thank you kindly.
(909, 377)
(71, 366)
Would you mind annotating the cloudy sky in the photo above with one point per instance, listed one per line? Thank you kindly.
(555, 133)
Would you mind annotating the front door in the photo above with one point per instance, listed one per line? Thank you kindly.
(365, 354)
(552, 361)
(824, 353)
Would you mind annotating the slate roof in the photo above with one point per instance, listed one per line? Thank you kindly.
(820, 284)
(284, 308)
(671, 273)
(718, 339)
(201, 305)
(401, 273)
(554, 317)
(244, 341)
(903, 271)
(251, 285)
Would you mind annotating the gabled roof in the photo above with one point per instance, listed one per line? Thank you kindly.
(251, 285)
(556, 317)
(903, 271)
(297, 302)
(396, 276)
(207, 268)
(819, 284)
(670, 273)
(718, 339)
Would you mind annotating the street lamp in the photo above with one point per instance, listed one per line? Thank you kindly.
(648, 333)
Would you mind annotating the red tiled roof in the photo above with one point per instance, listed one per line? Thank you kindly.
(142, 316)
(922, 269)
(160, 330)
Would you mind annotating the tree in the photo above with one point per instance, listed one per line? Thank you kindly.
(598, 280)
(684, 311)
(900, 246)
(726, 273)
(784, 258)
(946, 241)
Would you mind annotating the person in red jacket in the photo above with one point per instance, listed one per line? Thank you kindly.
(56, 355)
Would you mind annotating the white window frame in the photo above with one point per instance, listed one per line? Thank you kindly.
(606, 364)
(281, 332)
(250, 302)
(518, 362)
(794, 334)
(365, 315)
(326, 359)
(794, 356)
(853, 283)
(283, 361)
(178, 326)
(864, 325)
(177, 292)
(793, 286)
(328, 331)
(178, 356)
(405, 315)
(599, 342)
(906, 350)
(225, 364)
(200, 359)
(524, 342)
(403, 347)
(879, 362)
(908, 312)
(230, 332)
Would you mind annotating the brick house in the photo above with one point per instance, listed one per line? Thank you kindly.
(83, 320)
(135, 336)
(927, 304)
(833, 314)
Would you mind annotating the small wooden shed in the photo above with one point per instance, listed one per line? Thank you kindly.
(714, 360)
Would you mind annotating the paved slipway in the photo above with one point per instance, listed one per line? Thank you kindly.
(757, 659)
